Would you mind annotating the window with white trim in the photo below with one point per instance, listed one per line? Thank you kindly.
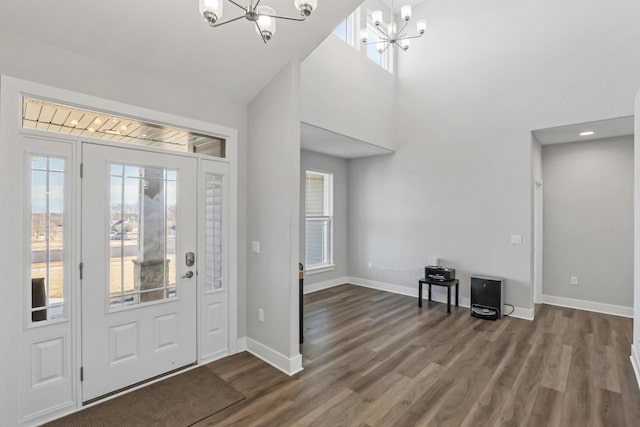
(382, 59)
(319, 219)
(346, 30)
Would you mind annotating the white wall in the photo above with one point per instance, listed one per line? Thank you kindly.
(469, 94)
(273, 212)
(347, 93)
(588, 220)
(30, 60)
(337, 166)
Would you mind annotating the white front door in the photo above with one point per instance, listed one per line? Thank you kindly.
(139, 307)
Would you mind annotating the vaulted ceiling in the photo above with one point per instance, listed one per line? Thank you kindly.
(171, 39)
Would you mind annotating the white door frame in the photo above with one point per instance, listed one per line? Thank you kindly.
(12, 90)
(538, 234)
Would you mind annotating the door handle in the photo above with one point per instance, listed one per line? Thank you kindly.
(188, 275)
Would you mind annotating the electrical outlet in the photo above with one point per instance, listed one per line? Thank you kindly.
(516, 239)
(261, 315)
(255, 247)
(574, 281)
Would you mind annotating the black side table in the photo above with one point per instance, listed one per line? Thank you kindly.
(448, 283)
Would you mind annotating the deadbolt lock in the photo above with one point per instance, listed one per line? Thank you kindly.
(190, 259)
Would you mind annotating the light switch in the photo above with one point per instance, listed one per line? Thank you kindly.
(516, 239)
(255, 247)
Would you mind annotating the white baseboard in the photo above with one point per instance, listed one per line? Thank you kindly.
(315, 287)
(437, 294)
(635, 362)
(598, 307)
(288, 365)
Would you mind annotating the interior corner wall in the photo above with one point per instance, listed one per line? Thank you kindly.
(469, 93)
(338, 167)
(273, 212)
(636, 258)
(347, 93)
(588, 220)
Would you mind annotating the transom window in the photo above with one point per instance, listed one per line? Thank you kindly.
(319, 219)
(66, 119)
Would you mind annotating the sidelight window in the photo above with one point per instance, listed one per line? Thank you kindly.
(47, 237)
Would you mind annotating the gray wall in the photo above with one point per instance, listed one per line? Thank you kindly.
(588, 220)
(469, 93)
(337, 166)
(368, 92)
(273, 212)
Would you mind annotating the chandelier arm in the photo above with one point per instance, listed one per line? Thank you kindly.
(385, 49)
(381, 31)
(227, 21)
(260, 31)
(403, 27)
(257, 3)
(241, 7)
(412, 37)
(283, 17)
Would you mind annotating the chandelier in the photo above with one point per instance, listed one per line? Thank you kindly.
(264, 17)
(391, 36)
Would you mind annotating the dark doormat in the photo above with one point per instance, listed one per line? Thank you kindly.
(178, 401)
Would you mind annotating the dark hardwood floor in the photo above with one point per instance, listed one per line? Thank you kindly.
(373, 358)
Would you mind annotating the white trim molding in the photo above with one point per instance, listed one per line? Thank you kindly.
(598, 307)
(438, 295)
(635, 362)
(315, 287)
(288, 365)
(321, 269)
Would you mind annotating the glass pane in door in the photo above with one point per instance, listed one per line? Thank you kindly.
(142, 234)
(213, 231)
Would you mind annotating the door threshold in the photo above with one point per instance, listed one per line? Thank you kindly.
(138, 384)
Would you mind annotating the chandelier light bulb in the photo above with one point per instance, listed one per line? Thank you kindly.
(364, 35)
(380, 47)
(404, 44)
(266, 23)
(211, 10)
(376, 17)
(422, 26)
(306, 6)
(405, 12)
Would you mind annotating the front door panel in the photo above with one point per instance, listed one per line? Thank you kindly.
(138, 296)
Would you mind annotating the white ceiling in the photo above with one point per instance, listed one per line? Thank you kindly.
(170, 38)
(610, 128)
(320, 140)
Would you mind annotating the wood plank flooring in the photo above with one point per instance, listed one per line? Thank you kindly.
(373, 358)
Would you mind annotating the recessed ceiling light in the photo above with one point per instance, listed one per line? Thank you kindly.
(74, 123)
(98, 121)
(123, 128)
(91, 130)
(143, 136)
(587, 133)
